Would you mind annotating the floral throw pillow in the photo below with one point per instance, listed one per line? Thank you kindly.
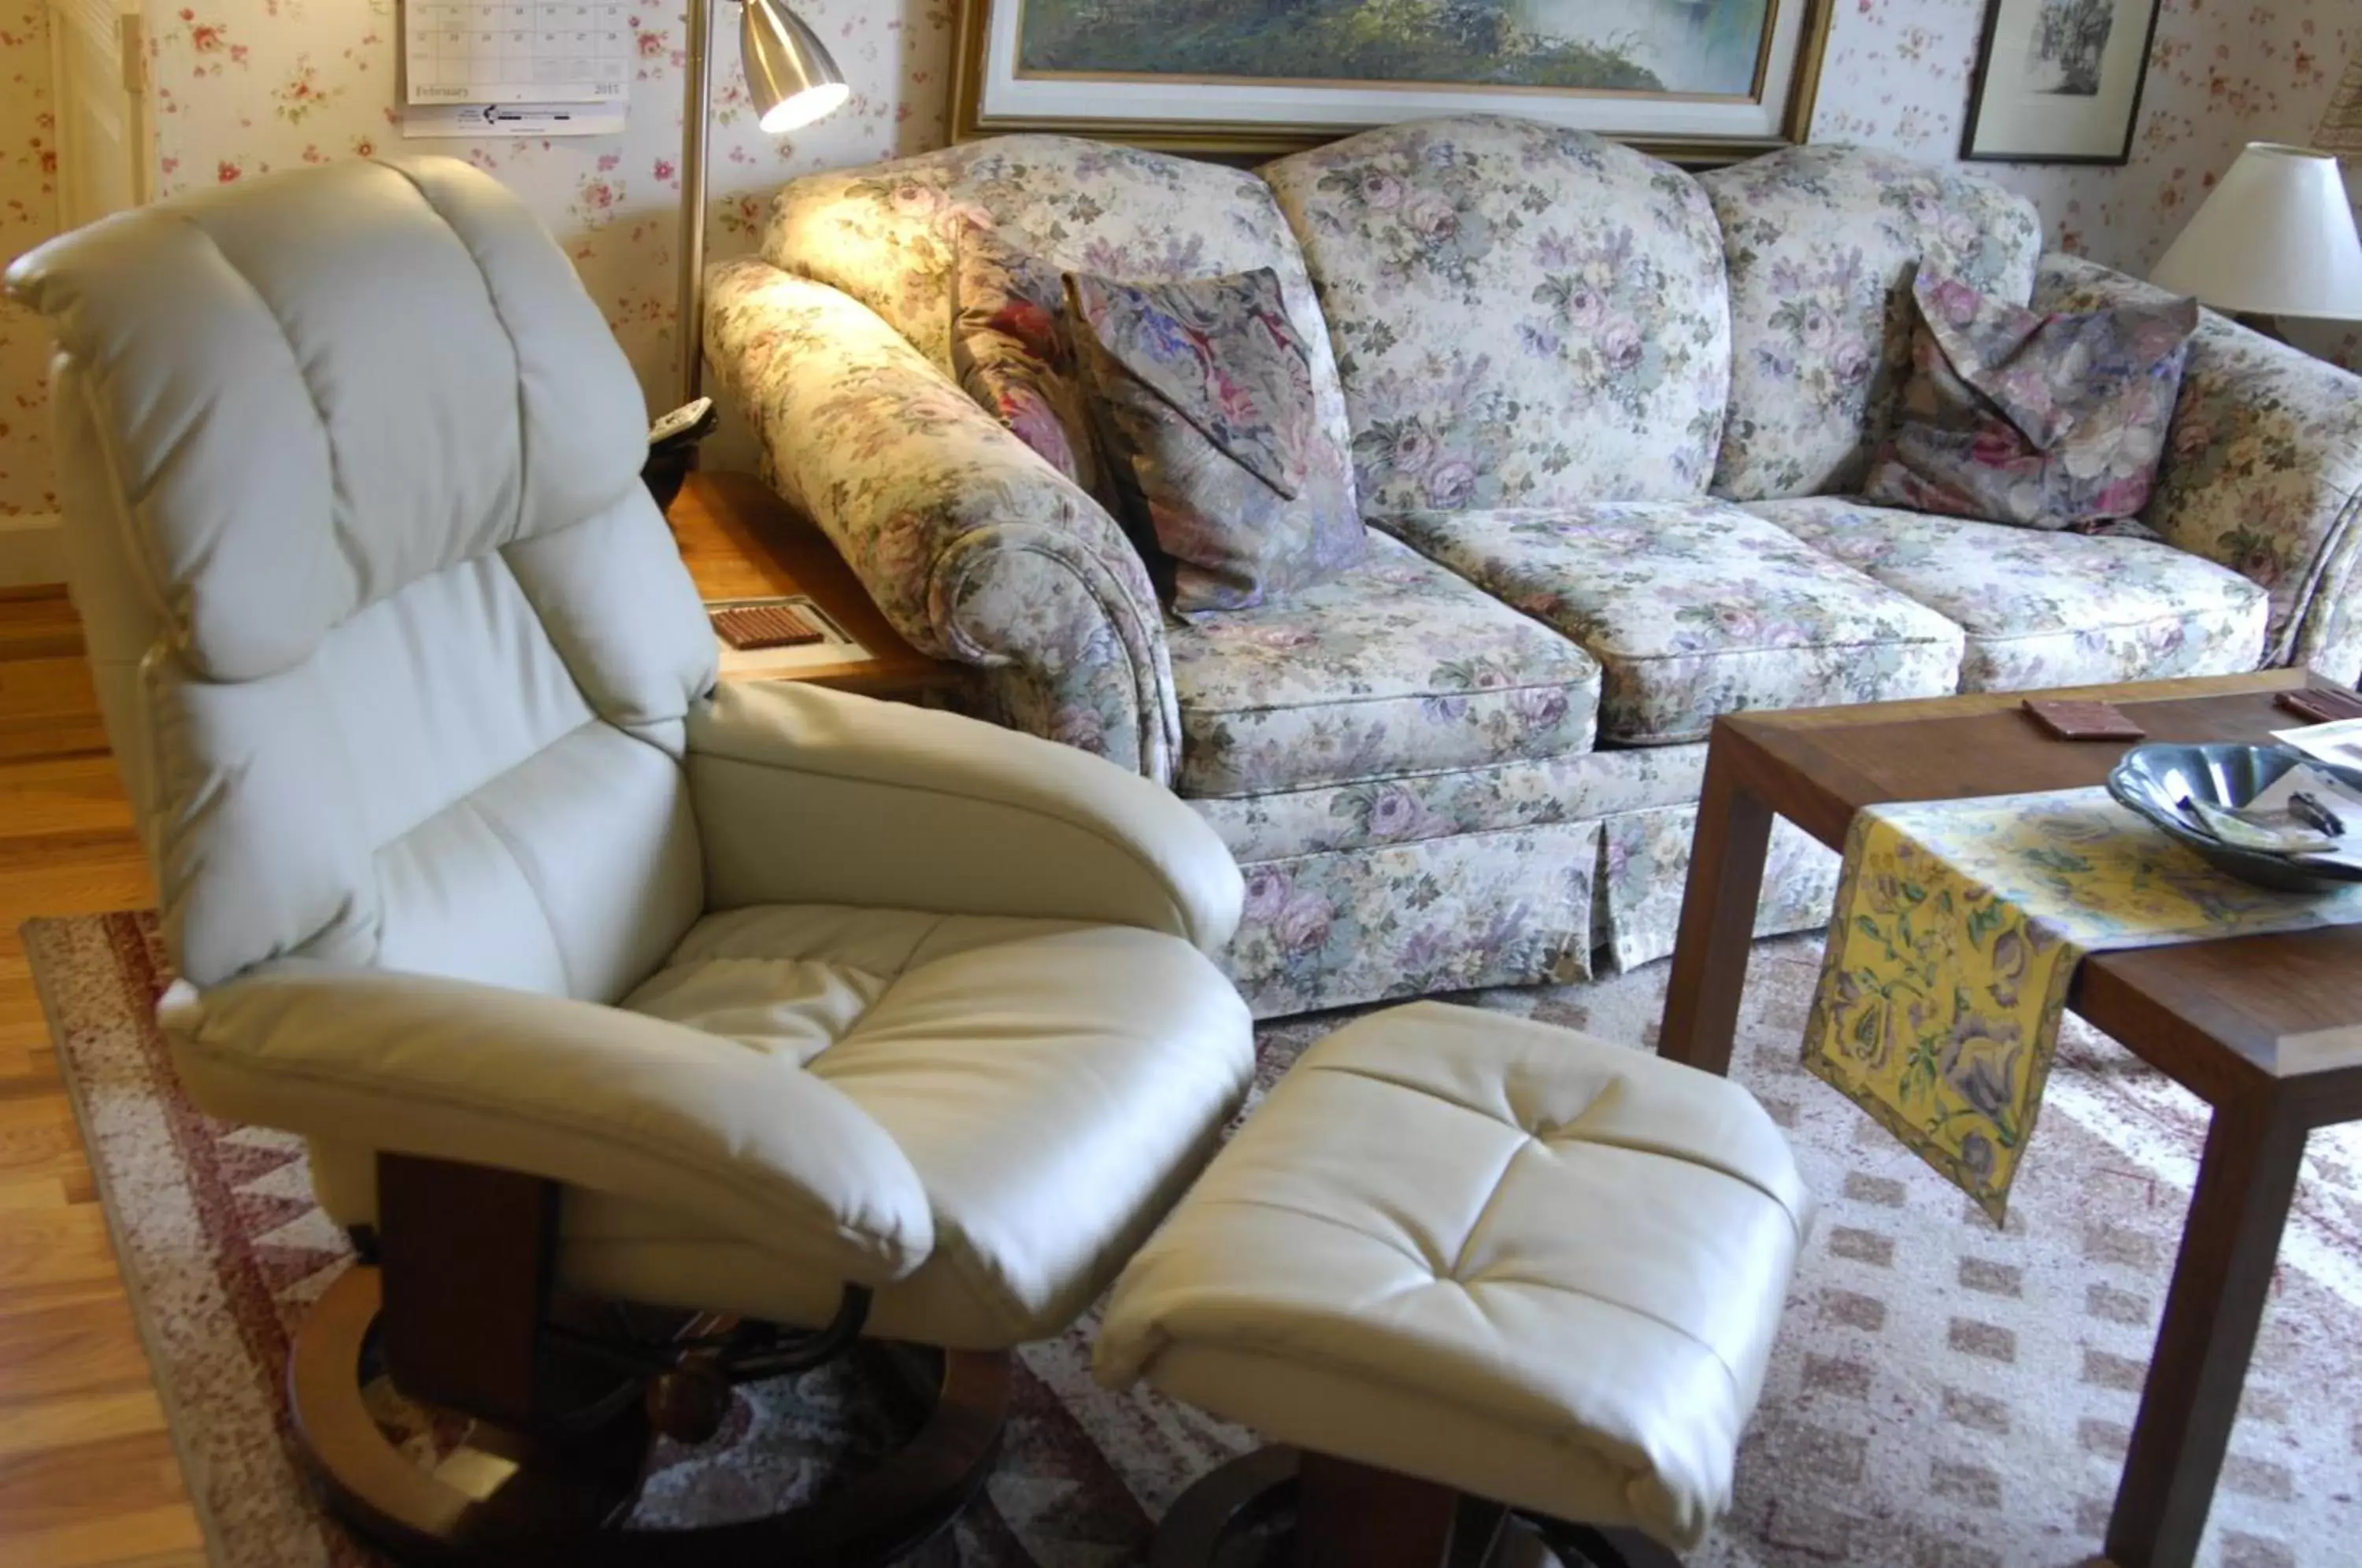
(2047, 421)
(1201, 393)
(1012, 353)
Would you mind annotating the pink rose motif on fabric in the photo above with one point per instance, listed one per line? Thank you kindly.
(1010, 349)
(1203, 396)
(2052, 420)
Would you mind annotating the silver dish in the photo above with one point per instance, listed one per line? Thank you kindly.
(2156, 780)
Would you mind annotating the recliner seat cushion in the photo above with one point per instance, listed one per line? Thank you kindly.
(1044, 1078)
(2046, 609)
(1695, 608)
(1396, 667)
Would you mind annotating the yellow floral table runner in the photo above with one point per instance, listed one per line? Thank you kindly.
(1958, 925)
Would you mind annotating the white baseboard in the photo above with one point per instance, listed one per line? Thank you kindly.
(32, 548)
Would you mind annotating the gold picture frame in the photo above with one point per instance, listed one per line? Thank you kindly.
(1256, 138)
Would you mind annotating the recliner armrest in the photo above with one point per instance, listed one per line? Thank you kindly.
(810, 796)
(973, 546)
(591, 1096)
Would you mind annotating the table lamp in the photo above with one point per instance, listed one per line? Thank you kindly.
(2277, 238)
(791, 80)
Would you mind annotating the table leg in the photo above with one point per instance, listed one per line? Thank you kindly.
(2245, 1183)
(1734, 834)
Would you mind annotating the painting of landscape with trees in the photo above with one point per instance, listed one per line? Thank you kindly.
(1697, 48)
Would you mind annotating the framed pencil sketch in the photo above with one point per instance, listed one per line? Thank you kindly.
(1702, 81)
(2058, 81)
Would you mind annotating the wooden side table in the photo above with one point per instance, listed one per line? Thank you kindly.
(740, 541)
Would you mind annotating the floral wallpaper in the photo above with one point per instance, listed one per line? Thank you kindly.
(246, 86)
(28, 213)
(2222, 73)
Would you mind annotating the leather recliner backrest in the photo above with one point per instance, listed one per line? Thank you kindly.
(392, 643)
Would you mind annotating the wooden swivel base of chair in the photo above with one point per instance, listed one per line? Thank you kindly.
(1356, 1515)
(559, 1495)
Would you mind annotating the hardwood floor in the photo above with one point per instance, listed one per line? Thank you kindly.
(87, 1476)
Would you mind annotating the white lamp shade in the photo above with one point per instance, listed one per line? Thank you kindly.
(2276, 237)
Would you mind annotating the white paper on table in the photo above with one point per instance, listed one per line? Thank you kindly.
(2341, 802)
(2340, 742)
(836, 645)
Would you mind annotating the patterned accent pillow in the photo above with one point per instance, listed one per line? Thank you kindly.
(1201, 392)
(2047, 421)
(1012, 353)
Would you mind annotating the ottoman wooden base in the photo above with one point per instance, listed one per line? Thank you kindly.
(1281, 1508)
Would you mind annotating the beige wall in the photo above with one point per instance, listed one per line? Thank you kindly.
(246, 86)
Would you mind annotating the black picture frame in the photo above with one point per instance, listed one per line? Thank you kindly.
(1982, 84)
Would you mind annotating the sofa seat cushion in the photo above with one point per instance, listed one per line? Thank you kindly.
(2044, 609)
(1396, 667)
(1044, 1104)
(1489, 1252)
(1695, 609)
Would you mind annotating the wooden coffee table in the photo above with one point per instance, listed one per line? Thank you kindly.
(2265, 1029)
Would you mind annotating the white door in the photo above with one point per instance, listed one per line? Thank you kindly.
(98, 60)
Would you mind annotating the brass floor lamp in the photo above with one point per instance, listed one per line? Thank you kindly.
(792, 80)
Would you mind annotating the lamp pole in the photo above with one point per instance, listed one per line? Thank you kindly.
(790, 83)
(695, 106)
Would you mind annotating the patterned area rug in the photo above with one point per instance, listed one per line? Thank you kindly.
(1944, 1395)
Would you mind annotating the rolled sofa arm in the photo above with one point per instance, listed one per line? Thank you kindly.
(595, 1097)
(975, 548)
(2263, 469)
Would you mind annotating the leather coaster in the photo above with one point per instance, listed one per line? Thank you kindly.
(750, 626)
(2322, 707)
(2083, 720)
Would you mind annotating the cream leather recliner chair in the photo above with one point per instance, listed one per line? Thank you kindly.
(589, 983)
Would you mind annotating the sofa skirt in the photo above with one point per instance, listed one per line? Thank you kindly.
(1644, 867)
(1328, 930)
(1536, 905)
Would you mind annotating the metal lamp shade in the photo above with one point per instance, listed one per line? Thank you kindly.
(790, 75)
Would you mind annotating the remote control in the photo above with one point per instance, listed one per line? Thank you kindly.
(687, 423)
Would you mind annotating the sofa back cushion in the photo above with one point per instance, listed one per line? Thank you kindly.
(1822, 244)
(1523, 315)
(889, 234)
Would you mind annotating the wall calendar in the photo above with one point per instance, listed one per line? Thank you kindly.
(517, 51)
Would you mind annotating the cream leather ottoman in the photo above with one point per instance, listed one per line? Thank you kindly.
(1464, 1261)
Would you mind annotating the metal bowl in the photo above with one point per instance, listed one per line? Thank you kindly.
(2155, 779)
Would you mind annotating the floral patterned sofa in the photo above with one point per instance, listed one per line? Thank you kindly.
(1605, 416)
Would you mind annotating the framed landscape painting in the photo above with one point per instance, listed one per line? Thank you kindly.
(1699, 80)
(2058, 81)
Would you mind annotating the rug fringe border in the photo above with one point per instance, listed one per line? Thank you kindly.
(35, 933)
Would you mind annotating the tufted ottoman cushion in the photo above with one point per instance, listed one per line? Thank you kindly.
(1487, 1253)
